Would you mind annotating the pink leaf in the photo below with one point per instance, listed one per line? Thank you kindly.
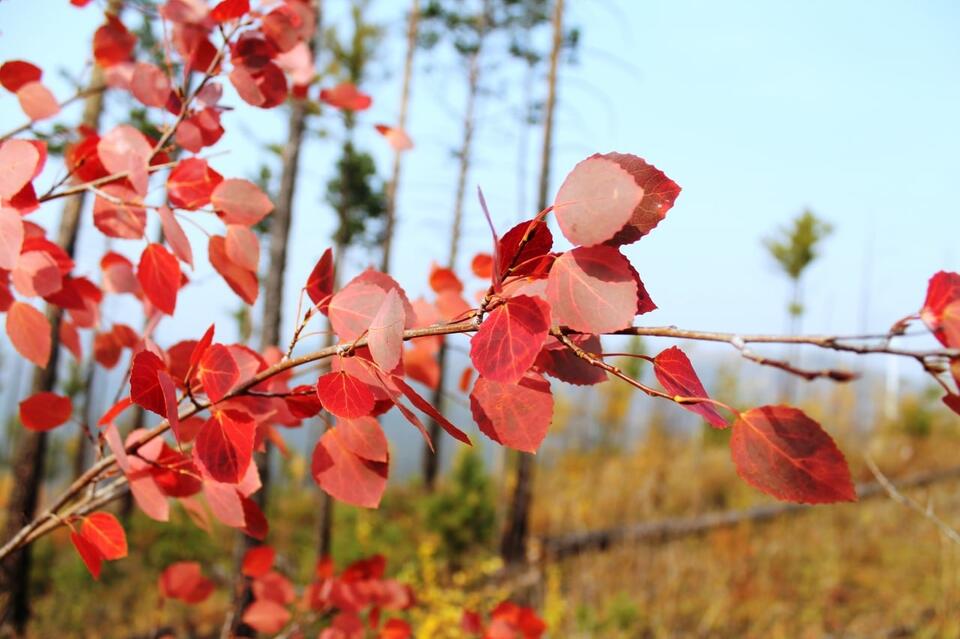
(385, 335)
(515, 415)
(592, 290)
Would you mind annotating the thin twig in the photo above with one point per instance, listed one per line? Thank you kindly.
(946, 529)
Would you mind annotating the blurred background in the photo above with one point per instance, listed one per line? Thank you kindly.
(815, 143)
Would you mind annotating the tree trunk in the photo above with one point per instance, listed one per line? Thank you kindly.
(280, 223)
(391, 212)
(513, 544)
(28, 461)
(431, 458)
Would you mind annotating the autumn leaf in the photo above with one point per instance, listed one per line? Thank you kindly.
(29, 332)
(784, 453)
(510, 338)
(225, 445)
(218, 372)
(45, 411)
(344, 395)
(591, 290)
(159, 277)
(105, 533)
(320, 282)
(675, 373)
(515, 415)
(145, 388)
(241, 202)
(346, 476)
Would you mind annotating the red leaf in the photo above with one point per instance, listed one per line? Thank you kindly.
(169, 391)
(230, 10)
(515, 415)
(531, 260)
(199, 349)
(191, 183)
(175, 236)
(18, 160)
(29, 332)
(45, 411)
(159, 277)
(242, 247)
(385, 335)
(145, 389)
(118, 274)
(264, 87)
(482, 265)
(36, 274)
(70, 338)
(950, 324)
(280, 28)
(184, 580)
(591, 290)
(241, 202)
(952, 402)
(320, 283)
(16, 73)
(119, 212)
(11, 237)
(614, 198)
(37, 101)
(107, 349)
(225, 445)
(444, 279)
(345, 96)
(105, 533)
(562, 363)
(258, 561)
(784, 453)
(675, 373)
(218, 372)
(396, 629)
(344, 475)
(150, 85)
(510, 338)
(266, 616)
(115, 410)
(344, 395)
(943, 290)
(112, 43)
(254, 522)
(241, 281)
(88, 553)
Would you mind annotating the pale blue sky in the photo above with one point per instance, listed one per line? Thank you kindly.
(757, 109)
